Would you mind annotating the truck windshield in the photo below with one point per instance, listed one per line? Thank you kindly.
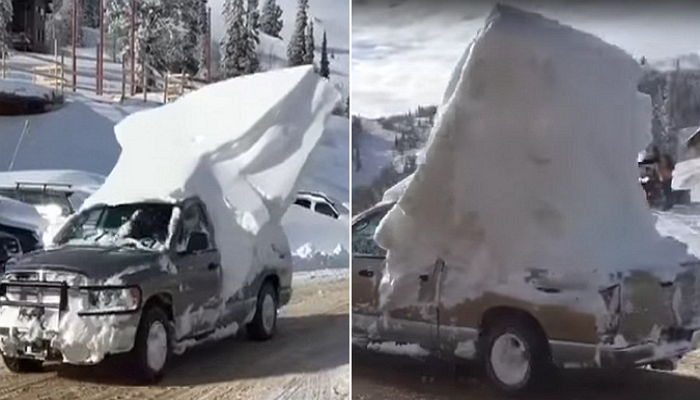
(129, 225)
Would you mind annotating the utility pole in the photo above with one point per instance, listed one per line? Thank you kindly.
(209, 77)
(132, 51)
(100, 60)
(74, 35)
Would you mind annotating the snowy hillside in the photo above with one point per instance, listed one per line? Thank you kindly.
(329, 15)
(385, 150)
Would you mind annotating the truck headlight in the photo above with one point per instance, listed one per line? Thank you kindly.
(111, 300)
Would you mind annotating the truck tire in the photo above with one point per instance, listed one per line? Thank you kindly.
(22, 365)
(515, 356)
(264, 323)
(152, 346)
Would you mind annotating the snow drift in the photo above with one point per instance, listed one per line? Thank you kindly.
(239, 145)
(531, 165)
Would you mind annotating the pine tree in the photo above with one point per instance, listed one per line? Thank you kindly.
(203, 51)
(60, 24)
(235, 39)
(91, 13)
(5, 21)
(271, 20)
(297, 43)
(309, 51)
(325, 70)
(252, 37)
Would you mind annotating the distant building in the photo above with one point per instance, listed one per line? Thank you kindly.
(29, 24)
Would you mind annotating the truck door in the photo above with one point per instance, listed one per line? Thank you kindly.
(367, 264)
(418, 322)
(199, 266)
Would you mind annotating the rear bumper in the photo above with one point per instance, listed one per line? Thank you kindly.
(580, 355)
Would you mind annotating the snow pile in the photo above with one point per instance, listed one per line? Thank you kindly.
(316, 240)
(17, 88)
(20, 215)
(240, 152)
(531, 166)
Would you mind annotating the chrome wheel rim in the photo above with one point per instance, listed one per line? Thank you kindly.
(269, 312)
(156, 346)
(510, 360)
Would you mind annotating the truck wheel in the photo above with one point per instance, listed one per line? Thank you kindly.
(515, 356)
(152, 346)
(22, 365)
(264, 323)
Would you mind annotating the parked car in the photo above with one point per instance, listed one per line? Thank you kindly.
(55, 194)
(9, 247)
(517, 339)
(320, 203)
(150, 281)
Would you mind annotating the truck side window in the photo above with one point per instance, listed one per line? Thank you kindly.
(193, 219)
(363, 236)
(325, 209)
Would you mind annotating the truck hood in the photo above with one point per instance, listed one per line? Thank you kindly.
(96, 263)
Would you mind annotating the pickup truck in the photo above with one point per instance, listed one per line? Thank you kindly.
(139, 278)
(518, 340)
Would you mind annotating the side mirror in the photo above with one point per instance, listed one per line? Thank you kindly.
(198, 241)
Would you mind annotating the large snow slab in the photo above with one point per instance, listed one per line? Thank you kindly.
(239, 145)
(531, 165)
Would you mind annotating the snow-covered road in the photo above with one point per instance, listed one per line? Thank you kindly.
(307, 359)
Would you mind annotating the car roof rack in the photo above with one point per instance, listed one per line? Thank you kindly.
(45, 187)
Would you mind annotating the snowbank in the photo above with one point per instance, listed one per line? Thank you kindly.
(26, 89)
(317, 241)
(531, 165)
(240, 151)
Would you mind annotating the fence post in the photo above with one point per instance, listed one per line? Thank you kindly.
(123, 79)
(145, 80)
(165, 91)
(63, 72)
(97, 69)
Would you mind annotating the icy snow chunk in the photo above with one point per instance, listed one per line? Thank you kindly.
(240, 146)
(531, 165)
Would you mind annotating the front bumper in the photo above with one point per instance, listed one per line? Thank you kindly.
(57, 331)
(580, 355)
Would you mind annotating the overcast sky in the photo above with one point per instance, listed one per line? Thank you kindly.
(404, 50)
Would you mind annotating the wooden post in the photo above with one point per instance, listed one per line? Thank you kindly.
(165, 91)
(101, 63)
(74, 39)
(208, 44)
(97, 69)
(123, 78)
(132, 50)
(63, 71)
(144, 72)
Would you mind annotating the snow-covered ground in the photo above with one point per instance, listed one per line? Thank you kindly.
(377, 151)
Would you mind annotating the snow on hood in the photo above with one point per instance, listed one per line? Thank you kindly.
(20, 215)
(531, 165)
(239, 145)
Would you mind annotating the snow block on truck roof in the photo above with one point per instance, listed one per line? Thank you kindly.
(531, 165)
(239, 145)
